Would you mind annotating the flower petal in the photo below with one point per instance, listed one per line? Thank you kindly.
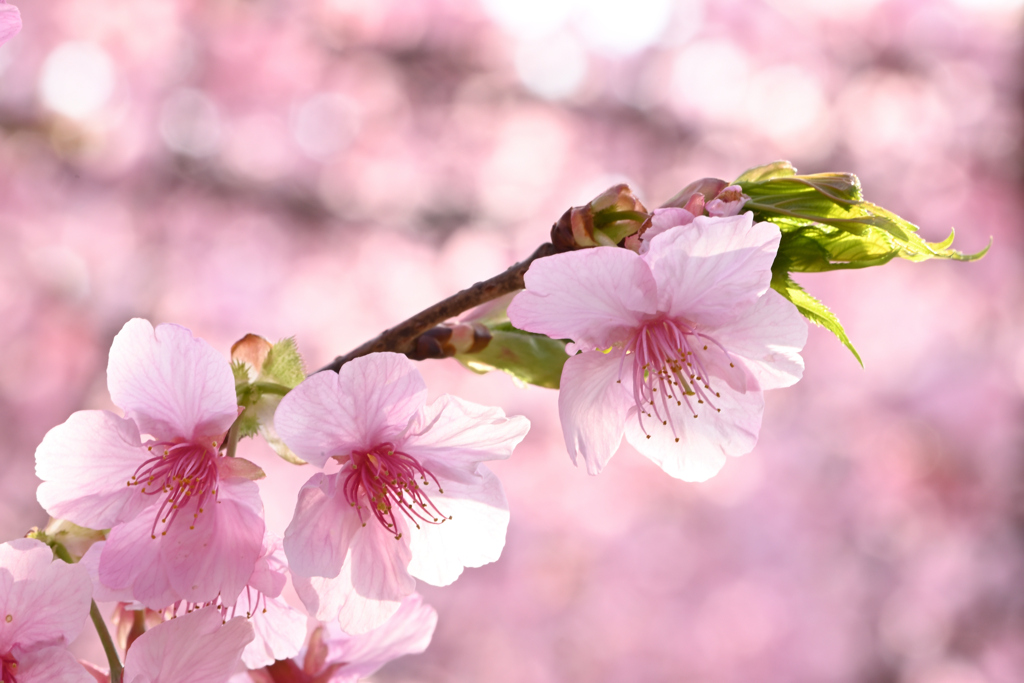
(661, 221)
(320, 533)
(380, 563)
(407, 632)
(368, 402)
(196, 647)
(10, 22)
(51, 665)
(710, 272)
(460, 433)
(100, 592)
(280, 631)
(217, 557)
(592, 295)
(769, 338)
(703, 442)
(473, 537)
(132, 560)
(41, 600)
(592, 404)
(85, 465)
(334, 599)
(172, 384)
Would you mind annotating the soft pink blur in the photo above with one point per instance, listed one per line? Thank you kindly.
(325, 168)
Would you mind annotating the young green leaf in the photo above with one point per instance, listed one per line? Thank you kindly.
(530, 358)
(812, 309)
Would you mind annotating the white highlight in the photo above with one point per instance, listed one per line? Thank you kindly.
(190, 123)
(324, 125)
(77, 79)
(552, 68)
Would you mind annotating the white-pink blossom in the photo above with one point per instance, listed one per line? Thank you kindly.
(43, 606)
(412, 498)
(677, 344)
(186, 523)
(197, 647)
(10, 21)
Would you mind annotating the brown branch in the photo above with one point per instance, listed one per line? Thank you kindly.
(402, 338)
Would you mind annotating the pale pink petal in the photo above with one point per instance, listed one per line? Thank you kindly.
(459, 433)
(51, 665)
(662, 220)
(711, 272)
(705, 441)
(729, 202)
(10, 22)
(320, 533)
(131, 560)
(271, 572)
(370, 401)
(592, 405)
(473, 537)
(100, 592)
(217, 557)
(195, 647)
(334, 599)
(42, 600)
(380, 563)
(85, 465)
(280, 632)
(407, 632)
(593, 295)
(769, 338)
(172, 384)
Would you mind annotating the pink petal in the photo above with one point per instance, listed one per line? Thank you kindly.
(334, 599)
(459, 433)
(369, 402)
(661, 221)
(593, 295)
(85, 465)
(100, 592)
(133, 561)
(280, 632)
(407, 632)
(195, 647)
(769, 338)
(703, 441)
(10, 22)
(52, 664)
(217, 557)
(172, 384)
(716, 268)
(320, 533)
(473, 537)
(42, 600)
(592, 405)
(271, 572)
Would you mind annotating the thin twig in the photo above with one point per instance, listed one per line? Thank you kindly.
(402, 337)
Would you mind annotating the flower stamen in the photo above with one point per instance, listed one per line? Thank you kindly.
(181, 473)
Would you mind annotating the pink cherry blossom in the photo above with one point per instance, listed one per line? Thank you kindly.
(336, 657)
(411, 498)
(197, 647)
(677, 344)
(10, 21)
(185, 522)
(43, 606)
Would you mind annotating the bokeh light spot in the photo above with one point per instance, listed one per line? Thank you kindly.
(77, 79)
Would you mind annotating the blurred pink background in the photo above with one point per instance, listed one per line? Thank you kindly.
(325, 168)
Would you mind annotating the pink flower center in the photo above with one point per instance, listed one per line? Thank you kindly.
(668, 368)
(10, 667)
(180, 473)
(382, 479)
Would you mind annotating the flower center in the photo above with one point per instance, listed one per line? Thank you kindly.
(669, 368)
(387, 479)
(181, 473)
(9, 668)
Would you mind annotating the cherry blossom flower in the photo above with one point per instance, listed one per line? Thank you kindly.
(411, 498)
(197, 647)
(185, 522)
(10, 21)
(43, 606)
(677, 344)
(336, 657)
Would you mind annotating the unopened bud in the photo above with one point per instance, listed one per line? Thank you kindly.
(612, 216)
(252, 350)
(729, 202)
(705, 187)
(444, 341)
(75, 539)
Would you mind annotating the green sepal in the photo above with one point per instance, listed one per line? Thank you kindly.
(284, 364)
(240, 371)
(530, 358)
(248, 422)
(812, 309)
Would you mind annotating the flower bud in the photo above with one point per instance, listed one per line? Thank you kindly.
(612, 216)
(444, 341)
(252, 350)
(729, 202)
(705, 187)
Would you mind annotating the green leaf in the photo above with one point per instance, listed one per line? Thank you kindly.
(812, 309)
(776, 169)
(530, 358)
(284, 364)
(818, 248)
